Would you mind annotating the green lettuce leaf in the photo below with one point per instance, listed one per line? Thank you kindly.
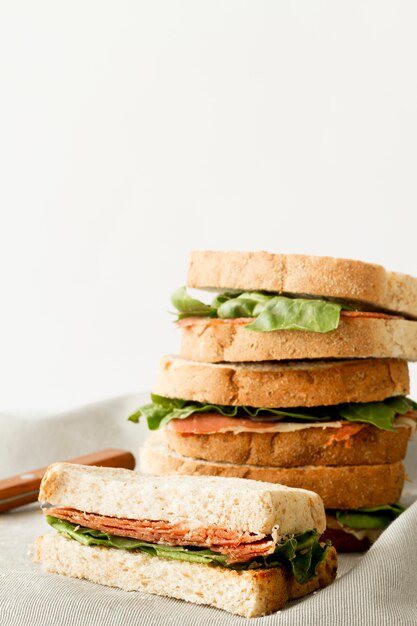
(376, 517)
(247, 304)
(90, 537)
(302, 553)
(163, 410)
(272, 312)
(380, 414)
(305, 565)
(282, 313)
(401, 404)
(188, 306)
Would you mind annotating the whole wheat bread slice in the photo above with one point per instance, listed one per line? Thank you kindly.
(309, 446)
(298, 275)
(294, 384)
(250, 593)
(216, 340)
(340, 487)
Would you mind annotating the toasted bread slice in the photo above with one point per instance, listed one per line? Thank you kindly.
(217, 340)
(249, 593)
(340, 487)
(294, 384)
(297, 274)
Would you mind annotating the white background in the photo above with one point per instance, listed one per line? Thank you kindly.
(132, 132)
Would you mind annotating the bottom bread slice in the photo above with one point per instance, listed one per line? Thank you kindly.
(340, 487)
(249, 593)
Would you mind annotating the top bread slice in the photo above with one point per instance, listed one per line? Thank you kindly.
(297, 274)
(282, 384)
(235, 504)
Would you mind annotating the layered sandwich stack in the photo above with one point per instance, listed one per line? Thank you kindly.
(295, 372)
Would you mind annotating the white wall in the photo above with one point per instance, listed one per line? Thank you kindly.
(132, 132)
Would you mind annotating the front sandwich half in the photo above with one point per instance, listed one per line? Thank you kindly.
(243, 546)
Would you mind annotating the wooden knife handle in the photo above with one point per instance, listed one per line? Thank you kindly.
(24, 488)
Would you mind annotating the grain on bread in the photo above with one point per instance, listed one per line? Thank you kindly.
(340, 487)
(217, 340)
(298, 274)
(307, 446)
(271, 384)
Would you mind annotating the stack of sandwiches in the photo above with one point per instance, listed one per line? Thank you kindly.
(294, 372)
(240, 545)
(282, 424)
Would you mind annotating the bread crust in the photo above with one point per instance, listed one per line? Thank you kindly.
(340, 487)
(293, 384)
(309, 446)
(214, 341)
(248, 593)
(299, 274)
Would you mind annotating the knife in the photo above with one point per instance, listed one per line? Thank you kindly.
(24, 488)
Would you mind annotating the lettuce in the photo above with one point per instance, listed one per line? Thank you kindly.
(272, 312)
(302, 553)
(188, 306)
(376, 517)
(380, 414)
(297, 314)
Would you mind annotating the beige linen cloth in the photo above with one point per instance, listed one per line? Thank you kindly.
(377, 589)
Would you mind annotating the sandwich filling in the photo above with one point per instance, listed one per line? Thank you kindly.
(366, 523)
(200, 418)
(265, 312)
(211, 424)
(375, 518)
(236, 546)
(214, 546)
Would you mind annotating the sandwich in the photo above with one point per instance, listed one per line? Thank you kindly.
(294, 371)
(339, 428)
(281, 307)
(239, 545)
